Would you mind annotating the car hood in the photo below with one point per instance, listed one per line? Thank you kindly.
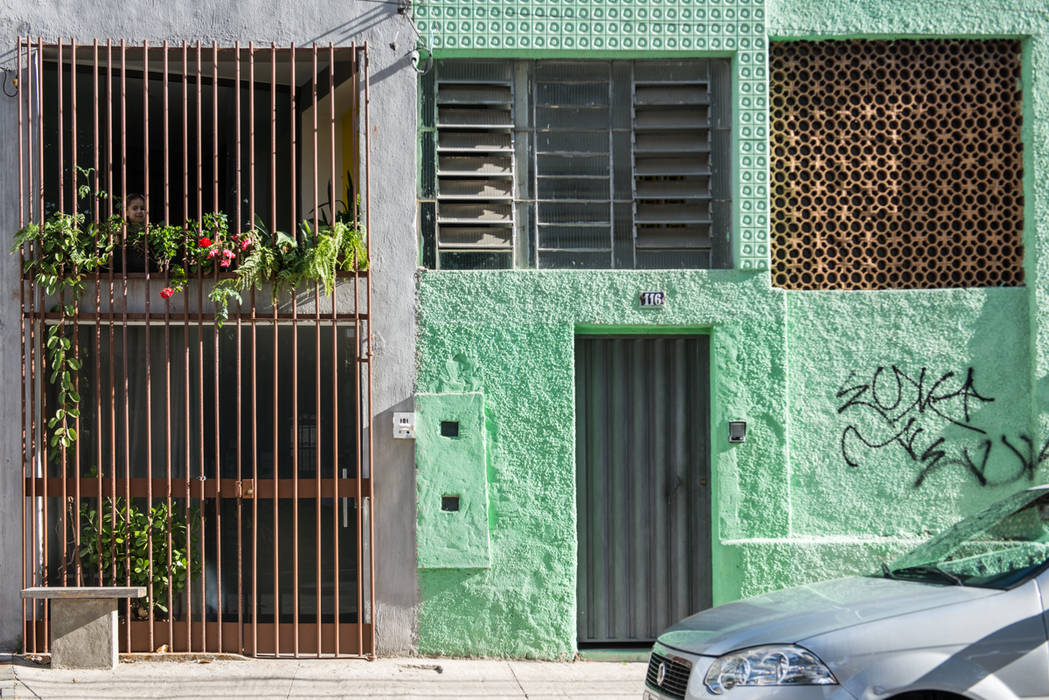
(794, 614)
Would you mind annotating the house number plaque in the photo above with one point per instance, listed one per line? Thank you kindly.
(653, 300)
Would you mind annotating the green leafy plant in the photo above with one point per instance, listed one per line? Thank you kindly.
(63, 253)
(67, 248)
(288, 262)
(118, 537)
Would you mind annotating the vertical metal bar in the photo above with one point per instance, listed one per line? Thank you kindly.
(218, 452)
(75, 524)
(22, 335)
(149, 378)
(295, 468)
(167, 356)
(112, 309)
(317, 365)
(61, 141)
(200, 356)
(236, 222)
(368, 310)
(254, 366)
(33, 117)
(276, 340)
(358, 369)
(42, 469)
(123, 325)
(64, 542)
(96, 215)
(185, 352)
(334, 372)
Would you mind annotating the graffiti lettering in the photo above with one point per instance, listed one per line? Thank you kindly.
(908, 411)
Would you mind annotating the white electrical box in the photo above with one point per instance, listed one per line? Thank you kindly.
(404, 426)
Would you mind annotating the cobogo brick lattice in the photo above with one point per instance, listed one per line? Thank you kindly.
(896, 164)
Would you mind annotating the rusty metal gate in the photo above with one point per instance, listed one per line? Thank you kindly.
(196, 390)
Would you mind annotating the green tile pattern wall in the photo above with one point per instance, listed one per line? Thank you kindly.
(636, 29)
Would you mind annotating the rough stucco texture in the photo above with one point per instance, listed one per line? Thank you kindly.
(891, 421)
(510, 336)
(451, 466)
(781, 516)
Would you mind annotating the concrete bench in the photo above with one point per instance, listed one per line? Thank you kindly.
(83, 623)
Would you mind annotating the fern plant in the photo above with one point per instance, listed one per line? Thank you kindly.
(288, 262)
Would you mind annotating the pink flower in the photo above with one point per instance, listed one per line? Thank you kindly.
(224, 263)
(212, 253)
(228, 254)
(166, 292)
(245, 244)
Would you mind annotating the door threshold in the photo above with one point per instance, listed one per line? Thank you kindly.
(615, 653)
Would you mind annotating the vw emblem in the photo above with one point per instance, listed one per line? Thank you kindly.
(661, 675)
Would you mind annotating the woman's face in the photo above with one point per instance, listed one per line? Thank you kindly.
(136, 211)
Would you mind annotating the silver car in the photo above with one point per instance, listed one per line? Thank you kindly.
(961, 616)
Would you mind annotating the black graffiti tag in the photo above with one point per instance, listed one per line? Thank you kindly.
(902, 402)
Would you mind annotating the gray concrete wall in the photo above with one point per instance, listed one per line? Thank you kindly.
(393, 241)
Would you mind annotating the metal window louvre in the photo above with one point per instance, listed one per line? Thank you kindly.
(671, 162)
(516, 137)
(475, 160)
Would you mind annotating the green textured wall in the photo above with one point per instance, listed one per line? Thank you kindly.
(452, 466)
(510, 336)
(789, 505)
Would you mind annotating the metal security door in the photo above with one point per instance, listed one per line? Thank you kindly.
(642, 475)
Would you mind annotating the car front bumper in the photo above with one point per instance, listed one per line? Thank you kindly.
(698, 691)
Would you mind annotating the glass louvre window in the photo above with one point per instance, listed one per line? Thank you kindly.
(576, 164)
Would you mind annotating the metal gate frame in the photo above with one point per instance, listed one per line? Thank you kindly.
(109, 310)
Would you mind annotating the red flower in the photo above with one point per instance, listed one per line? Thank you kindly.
(166, 292)
(204, 242)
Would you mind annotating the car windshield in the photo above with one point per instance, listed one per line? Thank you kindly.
(996, 548)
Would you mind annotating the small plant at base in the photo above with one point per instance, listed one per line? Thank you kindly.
(118, 535)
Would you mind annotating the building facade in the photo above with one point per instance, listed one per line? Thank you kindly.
(690, 300)
(889, 375)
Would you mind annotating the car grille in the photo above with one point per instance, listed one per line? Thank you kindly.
(676, 680)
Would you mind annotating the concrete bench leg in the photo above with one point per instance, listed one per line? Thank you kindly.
(84, 633)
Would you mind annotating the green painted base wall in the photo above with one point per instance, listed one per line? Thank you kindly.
(849, 396)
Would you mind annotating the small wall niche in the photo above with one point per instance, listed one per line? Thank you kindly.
(450, 428)
(450, 504)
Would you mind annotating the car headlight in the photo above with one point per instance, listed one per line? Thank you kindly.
(768, 665)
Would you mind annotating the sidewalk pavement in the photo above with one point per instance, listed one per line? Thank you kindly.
(328, 678)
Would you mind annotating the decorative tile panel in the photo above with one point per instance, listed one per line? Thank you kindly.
(637, 29)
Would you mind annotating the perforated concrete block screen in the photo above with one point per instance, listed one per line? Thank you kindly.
(896, 164)
(451, 482)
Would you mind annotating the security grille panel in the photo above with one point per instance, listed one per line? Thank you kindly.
(578, 164)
